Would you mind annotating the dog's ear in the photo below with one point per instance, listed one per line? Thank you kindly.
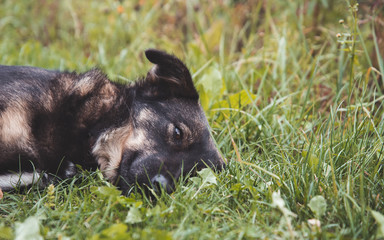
(167, 79)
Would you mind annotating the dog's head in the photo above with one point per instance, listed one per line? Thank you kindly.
(167, 134)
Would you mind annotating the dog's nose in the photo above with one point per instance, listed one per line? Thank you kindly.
(159, 181)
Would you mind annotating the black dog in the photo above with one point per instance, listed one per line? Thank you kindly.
(150, 132)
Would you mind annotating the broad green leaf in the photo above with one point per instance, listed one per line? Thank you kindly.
(127, 200)
(6, 233)
(212, 80)
(313, 161)
(235, 101)
(155, 234)
(106, 192)
(114, 232)
(134, 216)
(380, 223)
(210, 40)
(29, 229)
(196, 180)
(318, 205)
(153, 211)
(208, 178)
(210, 86)
(213, 34)
(279, 203)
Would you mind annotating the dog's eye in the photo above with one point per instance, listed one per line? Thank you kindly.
(177, 133)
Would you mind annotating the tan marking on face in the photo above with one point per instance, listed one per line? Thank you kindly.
(138, 140)
(146, 115)
(14, 127)
(108, 150)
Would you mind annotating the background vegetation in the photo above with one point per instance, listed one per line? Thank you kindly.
(293, 91)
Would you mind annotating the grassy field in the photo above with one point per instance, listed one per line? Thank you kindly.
(293, 92)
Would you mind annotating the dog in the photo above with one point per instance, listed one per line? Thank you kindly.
(149, 132)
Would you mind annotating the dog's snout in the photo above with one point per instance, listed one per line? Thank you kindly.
(221, 166)
(160, 181)
(215, 161)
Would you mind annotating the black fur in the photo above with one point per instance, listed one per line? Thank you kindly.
(149, 132)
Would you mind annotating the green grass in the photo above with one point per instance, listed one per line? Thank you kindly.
(295, 108)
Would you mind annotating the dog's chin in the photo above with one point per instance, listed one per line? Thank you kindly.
(149, 185)
(152, 191)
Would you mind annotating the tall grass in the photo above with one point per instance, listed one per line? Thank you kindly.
(292, 95)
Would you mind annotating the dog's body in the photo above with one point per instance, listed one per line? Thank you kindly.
(149, 132)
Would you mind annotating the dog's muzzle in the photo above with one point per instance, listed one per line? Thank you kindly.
(159, 182)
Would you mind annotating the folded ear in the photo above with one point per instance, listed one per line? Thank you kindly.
(167, 79)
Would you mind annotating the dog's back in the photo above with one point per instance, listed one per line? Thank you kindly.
(10, 74)
(37, 112)
(20, 90)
